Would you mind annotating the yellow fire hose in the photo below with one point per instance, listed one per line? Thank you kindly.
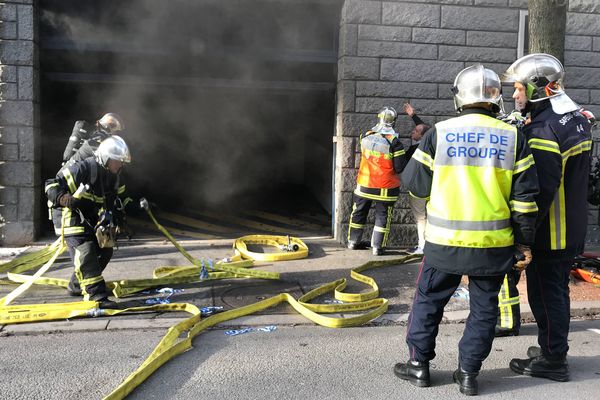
(294, 248)
(234, 268)
(171, 345)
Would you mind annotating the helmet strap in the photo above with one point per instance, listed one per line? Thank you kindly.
(531, 91)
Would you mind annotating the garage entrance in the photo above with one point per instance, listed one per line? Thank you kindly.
(229, 106)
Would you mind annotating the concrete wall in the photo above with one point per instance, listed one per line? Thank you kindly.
(20, 149)
(391, 52)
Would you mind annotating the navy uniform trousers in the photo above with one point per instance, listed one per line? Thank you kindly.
(548, 294)
(384, 210)
(89, 261)
(434, 289)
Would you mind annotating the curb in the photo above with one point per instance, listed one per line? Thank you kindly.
(580, 309)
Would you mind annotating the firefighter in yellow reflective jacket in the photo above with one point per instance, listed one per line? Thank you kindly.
(382, 159)
(86, 207)
(479, 177)
(560, 139)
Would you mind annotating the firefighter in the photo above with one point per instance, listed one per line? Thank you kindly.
(86, 137)
(480, 179)
(382, 159)
(560, 140)
(86, 207)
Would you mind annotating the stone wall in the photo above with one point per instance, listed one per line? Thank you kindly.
(20, 147)
(391, 52)
(582, 63)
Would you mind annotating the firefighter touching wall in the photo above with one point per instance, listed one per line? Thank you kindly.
(479, 177)
(382, 159)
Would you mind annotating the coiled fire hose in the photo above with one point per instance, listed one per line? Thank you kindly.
(172, 343)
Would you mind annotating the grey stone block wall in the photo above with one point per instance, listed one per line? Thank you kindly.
(397, 51)
(20, 147)
(582, 64)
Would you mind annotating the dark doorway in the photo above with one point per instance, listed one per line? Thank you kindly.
(228, 105)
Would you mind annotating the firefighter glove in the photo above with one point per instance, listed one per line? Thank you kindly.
(522, 257)
(67, 200)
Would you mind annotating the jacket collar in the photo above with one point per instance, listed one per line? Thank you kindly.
(538, 107)
(483, 111)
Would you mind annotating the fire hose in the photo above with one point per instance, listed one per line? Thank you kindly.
(172, 344)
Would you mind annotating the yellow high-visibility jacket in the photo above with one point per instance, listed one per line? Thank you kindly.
(479, 177)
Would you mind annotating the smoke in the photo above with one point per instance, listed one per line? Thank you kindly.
(220, 98)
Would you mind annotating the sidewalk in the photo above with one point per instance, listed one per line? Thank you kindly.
(327, 261)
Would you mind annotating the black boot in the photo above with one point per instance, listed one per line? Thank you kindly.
(106, 303)
(352, 245)
(467, 382)
(542, 367)
(378, 251)
(73, 287)
(414, 371)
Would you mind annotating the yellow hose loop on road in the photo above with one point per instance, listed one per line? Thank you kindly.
(241, 247)
(355, 274)
(252, 273)
(169, 347)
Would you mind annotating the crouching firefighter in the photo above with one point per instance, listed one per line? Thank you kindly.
(86, 209)
(382, 159)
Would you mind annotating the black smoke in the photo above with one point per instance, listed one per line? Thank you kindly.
(225, 102)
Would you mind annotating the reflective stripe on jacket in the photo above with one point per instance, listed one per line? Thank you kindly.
(104, 189)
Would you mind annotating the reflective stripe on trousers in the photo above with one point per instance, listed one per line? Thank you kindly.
(509, 309)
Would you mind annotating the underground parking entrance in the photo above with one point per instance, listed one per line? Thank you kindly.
(229, 107)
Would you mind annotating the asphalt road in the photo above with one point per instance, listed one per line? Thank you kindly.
(302, 362)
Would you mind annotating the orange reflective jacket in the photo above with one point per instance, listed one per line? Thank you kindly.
(382, 159)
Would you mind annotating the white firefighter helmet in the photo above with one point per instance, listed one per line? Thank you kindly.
(113, 148)
(111, 122)
(387, 119)
(542, 76)
(476, 85)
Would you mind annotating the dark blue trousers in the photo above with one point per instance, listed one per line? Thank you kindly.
(384, 210)
(434, 289)
(548, 294)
